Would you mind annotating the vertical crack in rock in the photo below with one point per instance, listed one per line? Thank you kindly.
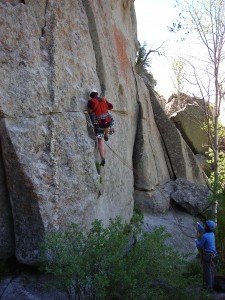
(48, 46)
(6, 217)
(48, 36)
(137, 127)
(44, 27)
(136, 84)
(100, 67)
(138, 146)
(54, 160)
(168, 159)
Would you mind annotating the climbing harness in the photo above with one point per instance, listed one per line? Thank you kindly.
(100, 128)
(209, 258)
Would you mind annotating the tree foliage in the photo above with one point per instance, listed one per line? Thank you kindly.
(179, 75)
(205, 20)
(220, 195)
(143, 61)
(107, 263)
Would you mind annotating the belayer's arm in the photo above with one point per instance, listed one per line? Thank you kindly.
(201, 242)
(201, 227)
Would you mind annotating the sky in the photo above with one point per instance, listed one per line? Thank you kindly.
(153, 19)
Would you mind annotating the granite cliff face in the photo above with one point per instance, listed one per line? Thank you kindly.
(52, 53)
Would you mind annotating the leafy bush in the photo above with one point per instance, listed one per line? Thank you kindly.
(109, 263)
(143, 62)
(218, 188)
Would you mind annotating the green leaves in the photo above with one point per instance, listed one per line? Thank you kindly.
(115, 262)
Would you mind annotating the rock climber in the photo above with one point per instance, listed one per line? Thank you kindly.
(98, 109)
(208, 252)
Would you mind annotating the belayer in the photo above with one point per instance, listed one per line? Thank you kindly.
(208, 252)
(98, 109)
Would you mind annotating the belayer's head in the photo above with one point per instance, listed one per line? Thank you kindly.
(210, 225)
(93, 93)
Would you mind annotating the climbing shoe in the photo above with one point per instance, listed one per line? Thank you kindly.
(102, 163)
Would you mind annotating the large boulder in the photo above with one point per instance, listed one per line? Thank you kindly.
(179, 224)
(191, 122)
(189, 116)
(194, 198)
(154, 202)
(179, 102)
(180, 157)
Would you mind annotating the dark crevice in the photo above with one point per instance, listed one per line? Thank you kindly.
(176, 206)
(138, 145)
(12, 267)
(136, 84)
(8, 213)
(43, 28)
(142, 189)
(140, 114)
(100, 66)
(49, 47)
(13, 2)
(168, 159)
(42, 31)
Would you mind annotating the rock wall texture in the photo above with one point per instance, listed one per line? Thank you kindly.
(52, 53)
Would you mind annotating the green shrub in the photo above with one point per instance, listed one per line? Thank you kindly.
(109, 263)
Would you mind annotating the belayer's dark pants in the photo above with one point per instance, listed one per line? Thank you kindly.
(208, 269)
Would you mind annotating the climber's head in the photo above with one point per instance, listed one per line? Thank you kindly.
(210, 225)
(93, 93)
